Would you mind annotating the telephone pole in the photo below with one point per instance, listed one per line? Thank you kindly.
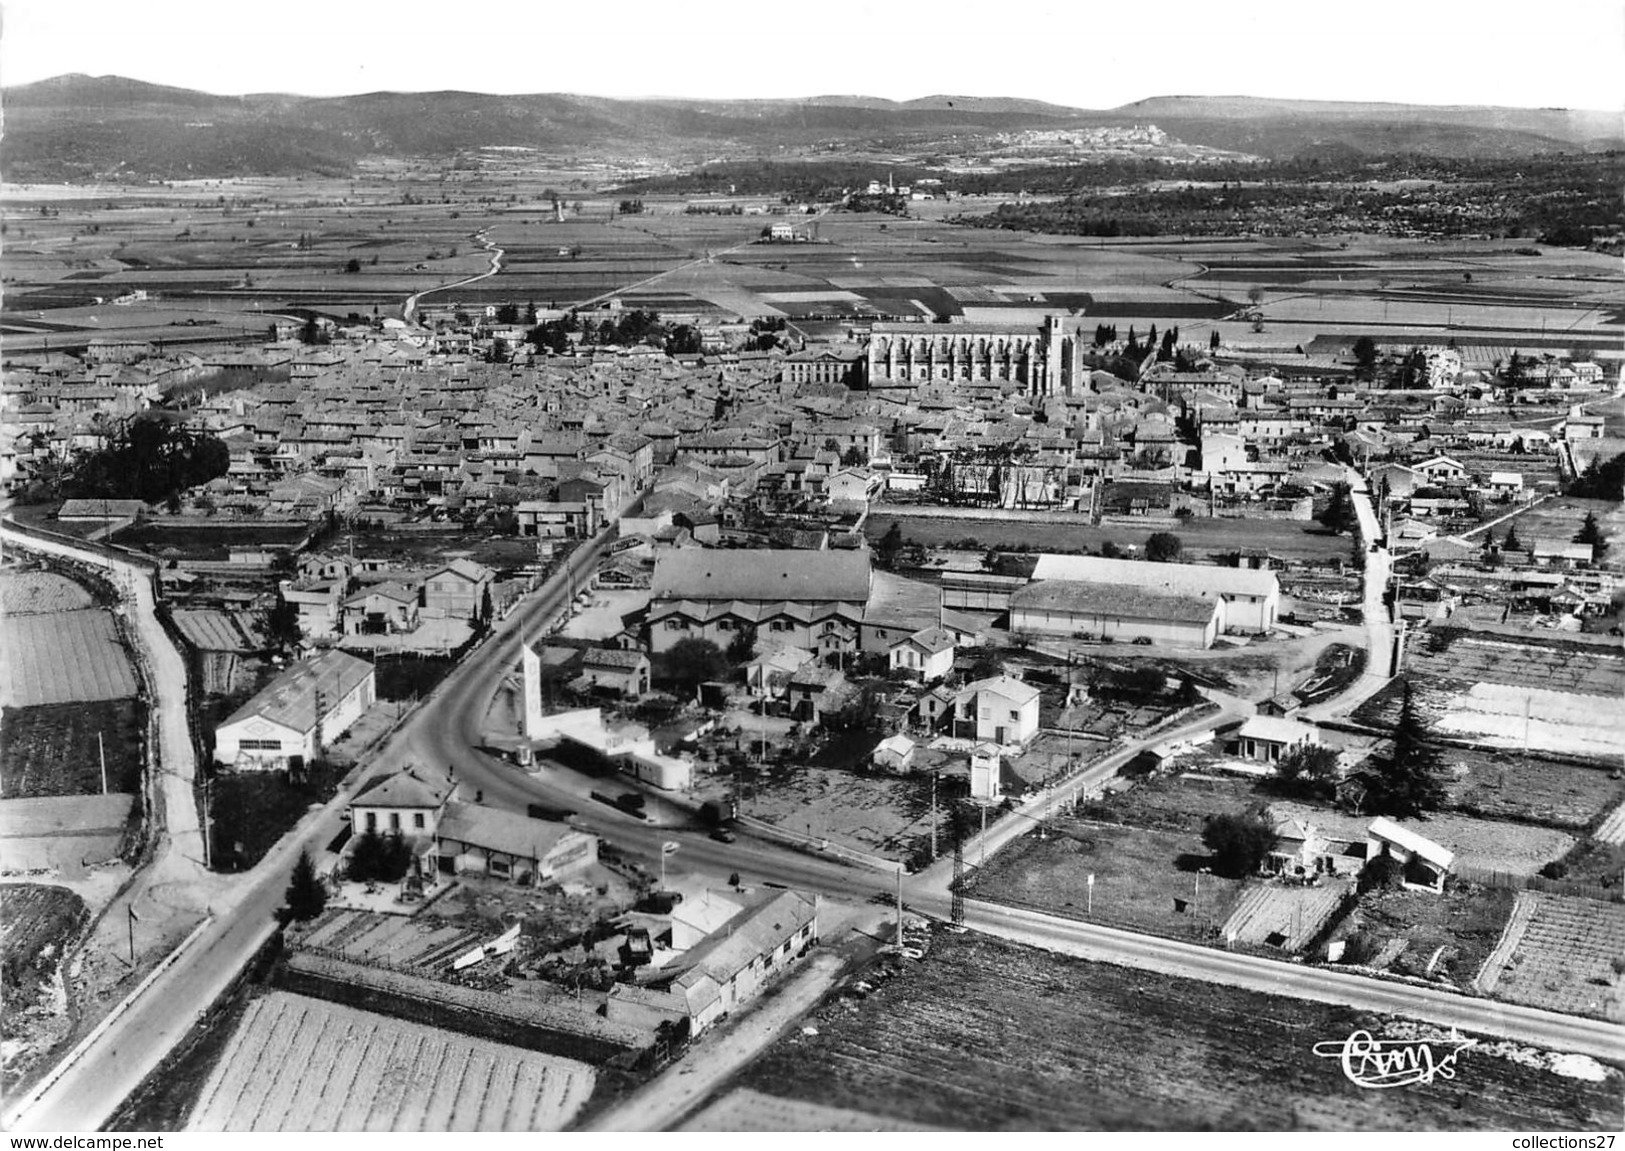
(956, 913)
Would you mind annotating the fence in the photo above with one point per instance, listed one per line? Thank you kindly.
(1492, 878)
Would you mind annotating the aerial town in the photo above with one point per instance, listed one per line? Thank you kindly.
(724, 657)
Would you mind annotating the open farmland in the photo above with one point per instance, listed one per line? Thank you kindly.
(52, 749)
(1509, 785)
(63, 657)
(298, 1064)
(987, 1035)
(1560, 953)
(1201, 537)
(1138, 876)
(1506, 692)
(747, 1110)
(1427, 934)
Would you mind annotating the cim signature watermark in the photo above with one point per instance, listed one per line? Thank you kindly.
(1370, 1062)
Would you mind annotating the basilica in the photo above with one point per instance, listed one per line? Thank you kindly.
(1045, 359)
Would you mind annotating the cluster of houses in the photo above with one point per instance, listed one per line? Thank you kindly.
(340, 596)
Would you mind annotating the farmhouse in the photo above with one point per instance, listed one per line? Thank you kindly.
(805, 599)
(1108, 611)
(1249, 599)
(310, 704)
(456, 591)
(743, 955)
(507, 845)
(1300, 849)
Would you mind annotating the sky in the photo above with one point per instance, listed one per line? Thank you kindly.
(1550, 53)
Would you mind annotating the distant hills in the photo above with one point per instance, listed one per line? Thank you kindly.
(80, 127)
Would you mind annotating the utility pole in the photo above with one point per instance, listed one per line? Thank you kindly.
(899, 906)
(101, 752)
(933, 815)
(208, 780)
(957, 911)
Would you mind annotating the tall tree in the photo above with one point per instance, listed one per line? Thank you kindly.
(1365, 358)
(888, 546)
(1409, 782)
(1239, 842)
(306, 896)
(1163, 547)
(1338, 515)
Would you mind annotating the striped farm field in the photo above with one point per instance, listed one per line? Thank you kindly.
(300, 1064)
(63, 657)
(40, 592)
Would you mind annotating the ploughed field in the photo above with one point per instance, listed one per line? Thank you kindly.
(987, 1035)
(299, 1064)
(63, 657)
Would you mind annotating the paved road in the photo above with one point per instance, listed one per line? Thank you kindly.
(1379, 628)
(1481, 1016)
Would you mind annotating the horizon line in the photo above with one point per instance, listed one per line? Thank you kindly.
(387, 91)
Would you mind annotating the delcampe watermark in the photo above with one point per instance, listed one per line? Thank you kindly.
(1371, 1062)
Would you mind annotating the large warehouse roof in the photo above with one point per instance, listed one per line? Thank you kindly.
(1176, 579)
(762, 574)
(1071, 597)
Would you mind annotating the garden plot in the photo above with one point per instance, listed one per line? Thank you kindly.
(871, 813)
(40, 593)
(54, 749)
(987, 1035)
(1561, 956)
(1464, 658)
(63, 657)
(1501, 715)
(1142, 880)
(298, 1064)
(1284, 915)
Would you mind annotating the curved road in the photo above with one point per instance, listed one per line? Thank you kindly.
(497, 253)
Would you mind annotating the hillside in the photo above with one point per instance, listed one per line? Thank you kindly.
(81, 127)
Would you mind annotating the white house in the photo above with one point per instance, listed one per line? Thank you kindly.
(894, 754)
(999, 709)
(1266, 738)
(309, 705)
(928, 653)
(1426, 863)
